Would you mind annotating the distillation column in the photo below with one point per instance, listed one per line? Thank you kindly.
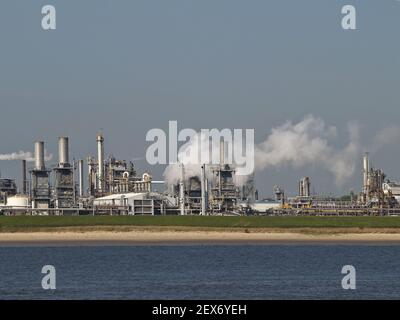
(81, 185)
(366, 175)
(182, 191)
(100, 161)
(203, 191)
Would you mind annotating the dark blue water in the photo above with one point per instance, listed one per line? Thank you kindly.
(200, 272)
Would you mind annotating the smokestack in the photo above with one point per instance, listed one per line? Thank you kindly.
(24, 176)
(221, 151)
(203, 190)
(81, 185)
(100, 160)
(182, 191)
(63, 152)
(39, 155)
(365, 173)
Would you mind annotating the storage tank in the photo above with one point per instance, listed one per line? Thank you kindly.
(18, 201)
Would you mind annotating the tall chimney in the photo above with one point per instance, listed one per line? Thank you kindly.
(39, 155)
(100, 160)
(24, 177)
(221, 151)
(203, 190)
(81, 185)
(63, 152)
(182, 191)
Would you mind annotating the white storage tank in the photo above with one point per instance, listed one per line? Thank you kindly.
(18, 201)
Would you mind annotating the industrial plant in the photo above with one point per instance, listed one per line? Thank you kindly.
(108, 186)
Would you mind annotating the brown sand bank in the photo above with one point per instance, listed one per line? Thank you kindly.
(182, 235)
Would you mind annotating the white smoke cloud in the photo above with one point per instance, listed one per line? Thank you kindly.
(172, 173)
(23, 155)
(204, 148)
(386, 136)
(307, 143)
(188, 155)
(297, 145)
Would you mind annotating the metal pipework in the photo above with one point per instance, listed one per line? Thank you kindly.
(63, 152)
(100, 160)
(81, 185)
(39, 155)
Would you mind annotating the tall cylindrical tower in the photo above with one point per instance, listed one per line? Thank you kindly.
(39, 155)
(80, 172)
(100, 161)
(63, 152)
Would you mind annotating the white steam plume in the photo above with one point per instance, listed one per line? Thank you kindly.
(188, 155)
(297, 145)
(307, 143)
(386, 136)
(23, 155)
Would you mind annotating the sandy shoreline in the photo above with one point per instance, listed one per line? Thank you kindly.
(188, 236)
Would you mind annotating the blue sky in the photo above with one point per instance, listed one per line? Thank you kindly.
(130, 66)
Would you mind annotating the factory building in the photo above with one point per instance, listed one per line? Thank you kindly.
(8, 188)
(111, 176)
(142, 203)
(114, 187)
(63, 175)
(392, 189)
(376, 191)
(262, 206)
(214, 190)
(62, 187)
(40, 182)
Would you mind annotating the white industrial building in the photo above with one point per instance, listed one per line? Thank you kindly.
(262, 205)
(393, 189)
(138, 203)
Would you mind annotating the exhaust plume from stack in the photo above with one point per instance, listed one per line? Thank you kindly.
(23, 155)
(296, 145)
(307, 143)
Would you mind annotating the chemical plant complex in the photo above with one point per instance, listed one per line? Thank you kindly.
(108, 186)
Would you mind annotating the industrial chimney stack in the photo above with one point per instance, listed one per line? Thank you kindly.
(39, 155)
(81, 185)
(182, 190)
(203, 190)
(100, 160)
(366, 174)
(63, 152)
(24, 181)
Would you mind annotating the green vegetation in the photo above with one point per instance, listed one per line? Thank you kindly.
(31, 223)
